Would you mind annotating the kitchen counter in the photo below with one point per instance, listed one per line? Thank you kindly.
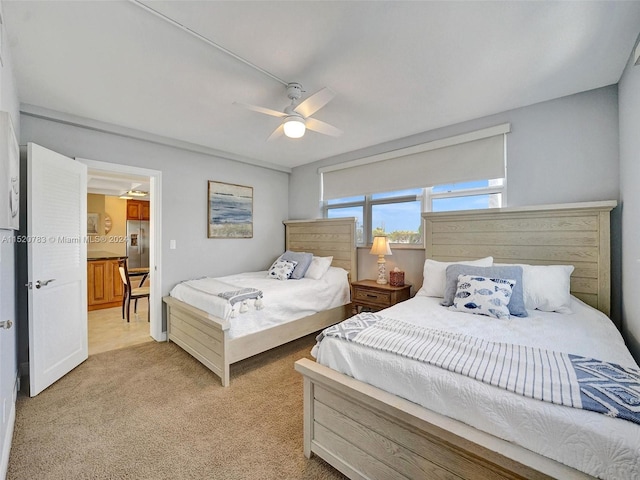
(102, 255)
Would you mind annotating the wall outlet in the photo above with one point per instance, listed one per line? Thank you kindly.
(172, 244)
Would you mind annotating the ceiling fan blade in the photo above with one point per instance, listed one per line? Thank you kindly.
(321, 127)
(277, 133)
(315, 102)
(266, 111)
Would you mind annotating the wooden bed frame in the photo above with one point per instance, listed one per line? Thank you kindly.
(367, 433)
(206, 336)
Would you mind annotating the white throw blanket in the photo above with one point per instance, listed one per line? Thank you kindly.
(284, 301)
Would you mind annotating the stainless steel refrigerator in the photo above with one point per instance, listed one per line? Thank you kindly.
(138, 243)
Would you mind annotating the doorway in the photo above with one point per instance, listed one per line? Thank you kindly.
(107, 329)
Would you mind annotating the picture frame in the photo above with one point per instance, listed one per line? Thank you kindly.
(93, 221)
(230, 210)
(9, 175)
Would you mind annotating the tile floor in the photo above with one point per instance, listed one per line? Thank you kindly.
(108, 331)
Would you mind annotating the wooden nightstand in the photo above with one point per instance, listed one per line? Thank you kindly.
(374, 296)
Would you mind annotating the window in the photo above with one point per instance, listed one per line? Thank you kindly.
(468, 162)
(398, 214)
(348, 207)
(466, 195)
(395, 214)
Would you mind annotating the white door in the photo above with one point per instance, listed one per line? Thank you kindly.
(57, 265)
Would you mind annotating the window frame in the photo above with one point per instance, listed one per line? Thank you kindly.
(367, 212)
(425, 198)
(498, 185)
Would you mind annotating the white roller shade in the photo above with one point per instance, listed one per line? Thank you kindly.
(457, 159)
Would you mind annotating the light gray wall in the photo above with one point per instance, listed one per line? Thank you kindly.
(564, 150)
(629, 89)
(184, 200)
(8, 342)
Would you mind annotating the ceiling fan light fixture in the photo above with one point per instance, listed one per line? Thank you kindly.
(136, 193)
(294, 126)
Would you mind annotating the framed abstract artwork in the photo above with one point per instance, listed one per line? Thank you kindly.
(230, 210)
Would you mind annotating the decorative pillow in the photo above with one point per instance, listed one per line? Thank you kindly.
(303, 259)
(318, 267)
(548, 287)
(434, 275)
(516, 304)
(282, 269)
(483, 296)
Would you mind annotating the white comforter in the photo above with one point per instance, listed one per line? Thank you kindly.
(593, 443)
(283, 301)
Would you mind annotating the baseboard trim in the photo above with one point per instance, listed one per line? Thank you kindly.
(8, 436)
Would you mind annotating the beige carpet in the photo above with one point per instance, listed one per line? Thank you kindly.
(153, 412)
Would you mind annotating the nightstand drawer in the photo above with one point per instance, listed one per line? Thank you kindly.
(372, 296)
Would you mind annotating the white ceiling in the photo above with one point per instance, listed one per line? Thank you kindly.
(398, 68)
(116, 184)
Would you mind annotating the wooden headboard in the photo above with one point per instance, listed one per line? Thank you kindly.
(325, 237)
(575, 234)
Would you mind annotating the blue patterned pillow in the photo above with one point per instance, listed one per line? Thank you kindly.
(282, 269)
(517, 306)
(302, 259)
(483, 295)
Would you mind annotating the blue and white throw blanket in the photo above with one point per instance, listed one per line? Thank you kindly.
(235, 296)
(555, 377)
(241, 296)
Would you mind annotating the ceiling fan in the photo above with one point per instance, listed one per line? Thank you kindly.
(297, 117)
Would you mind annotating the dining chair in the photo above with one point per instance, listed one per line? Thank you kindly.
(131, 292)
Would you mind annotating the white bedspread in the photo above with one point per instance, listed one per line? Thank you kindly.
(598, 445)
(283, 300)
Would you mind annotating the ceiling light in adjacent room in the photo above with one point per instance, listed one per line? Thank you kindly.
(137, 193)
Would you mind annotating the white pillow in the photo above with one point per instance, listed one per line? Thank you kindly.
(547, 287)
(434, 275)
(282, 269)
(318, 267)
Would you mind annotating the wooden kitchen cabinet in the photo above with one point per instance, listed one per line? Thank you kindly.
(105, 289)
(138, 210)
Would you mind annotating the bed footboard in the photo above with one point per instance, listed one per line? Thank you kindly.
(367, 433)
(206, 337)
(200, 334)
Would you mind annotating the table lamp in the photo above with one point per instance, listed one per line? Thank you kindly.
(381, 248)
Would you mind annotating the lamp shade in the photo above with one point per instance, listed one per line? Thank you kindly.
(294, 127)
(380, 246)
